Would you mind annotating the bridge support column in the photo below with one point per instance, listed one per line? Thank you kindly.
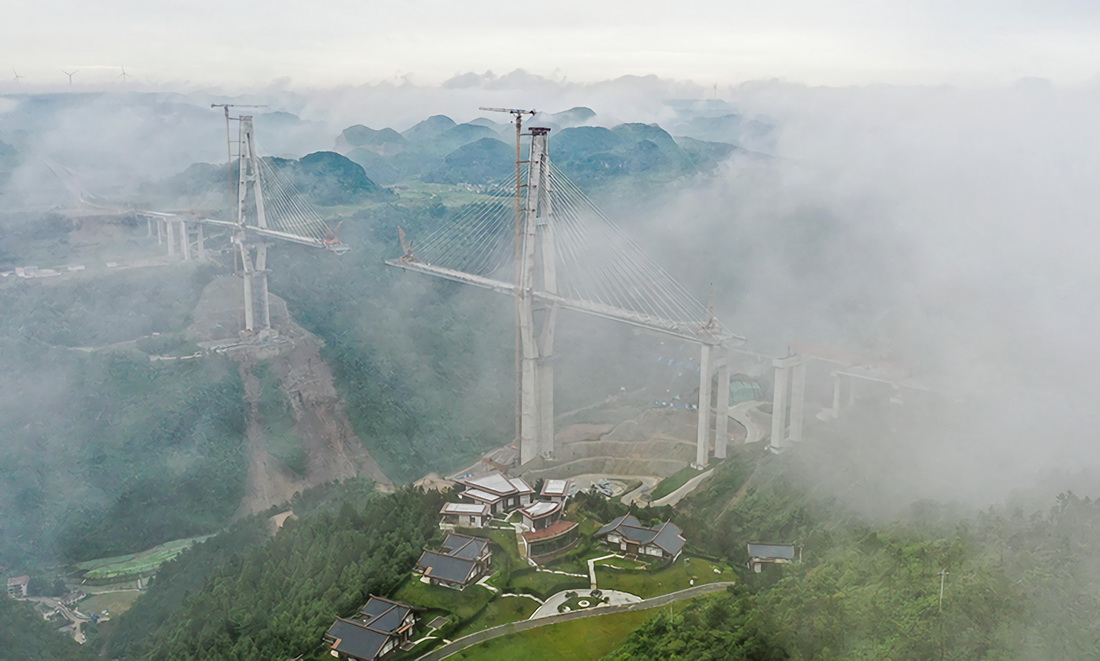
(264, 296)
(702, 440)
(185, 240)
(170, 232)
(257, 301)
(722, 410)
(249, 310)
(798, 400)
(201, 242)
(835, 411)
(789, 388)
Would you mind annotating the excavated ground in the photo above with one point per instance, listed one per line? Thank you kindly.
(334, 451)
(656, 442)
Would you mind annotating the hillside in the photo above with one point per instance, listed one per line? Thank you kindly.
(326, 178)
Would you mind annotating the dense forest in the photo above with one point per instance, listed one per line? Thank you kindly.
(236, 600)
(109, 452)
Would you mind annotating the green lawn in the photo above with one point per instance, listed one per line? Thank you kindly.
(505, 539)
(672, 482)
(621, 563)
(116, 603)
(499, 611)
(652, 583)
(464, 604)
(578, 640)
(576, 560)
(544, 584)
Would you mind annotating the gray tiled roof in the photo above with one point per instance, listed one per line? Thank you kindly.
(384, 615)
(445, 567)
(464, 546)
(670, 539)
(356, 640)
(626, 519)
(667, 536)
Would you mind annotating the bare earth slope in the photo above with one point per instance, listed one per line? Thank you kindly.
(333, 450)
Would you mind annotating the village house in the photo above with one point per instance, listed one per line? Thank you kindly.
(761, 554)
(556, 491)
(17, 587)
(381, 627)
(500, 493)
(464, 515)
(460, 561)
(549, 535)
(627, 534)
(541, 514)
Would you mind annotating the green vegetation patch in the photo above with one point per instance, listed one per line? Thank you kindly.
(120, 568)
(673, 482)
(498, 611)
(577, 640)
(621, 563)
(115, 603)
(655, 582)
(545, 584)
(174, 548)
(277, 418)
(463, 604)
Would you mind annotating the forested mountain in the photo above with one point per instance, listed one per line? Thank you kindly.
(327, 178)
(108, 452)
(437, 150)
(275, 600)
(1018, 581)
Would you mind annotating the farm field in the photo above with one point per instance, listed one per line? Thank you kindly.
(132, 565)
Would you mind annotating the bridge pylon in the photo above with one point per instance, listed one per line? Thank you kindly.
(251, 250)
(536, 319)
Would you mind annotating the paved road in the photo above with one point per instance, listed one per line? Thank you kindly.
(688, 487)
(523, 625)
(744, 413)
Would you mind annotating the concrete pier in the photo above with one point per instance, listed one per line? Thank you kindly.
(722, 409)
(702, 443)
(788, 395)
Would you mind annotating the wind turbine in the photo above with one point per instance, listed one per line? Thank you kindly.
(70, 75)
(123, 75)
(17, 76)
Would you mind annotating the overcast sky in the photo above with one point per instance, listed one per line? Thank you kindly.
(332, 42)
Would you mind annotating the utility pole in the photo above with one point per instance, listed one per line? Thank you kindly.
(943, 577)
(518, 114)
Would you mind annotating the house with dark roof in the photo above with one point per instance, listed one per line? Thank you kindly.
(761, 553)
(627, 534)
(381, 627)
(499, 492)
(460, 561)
